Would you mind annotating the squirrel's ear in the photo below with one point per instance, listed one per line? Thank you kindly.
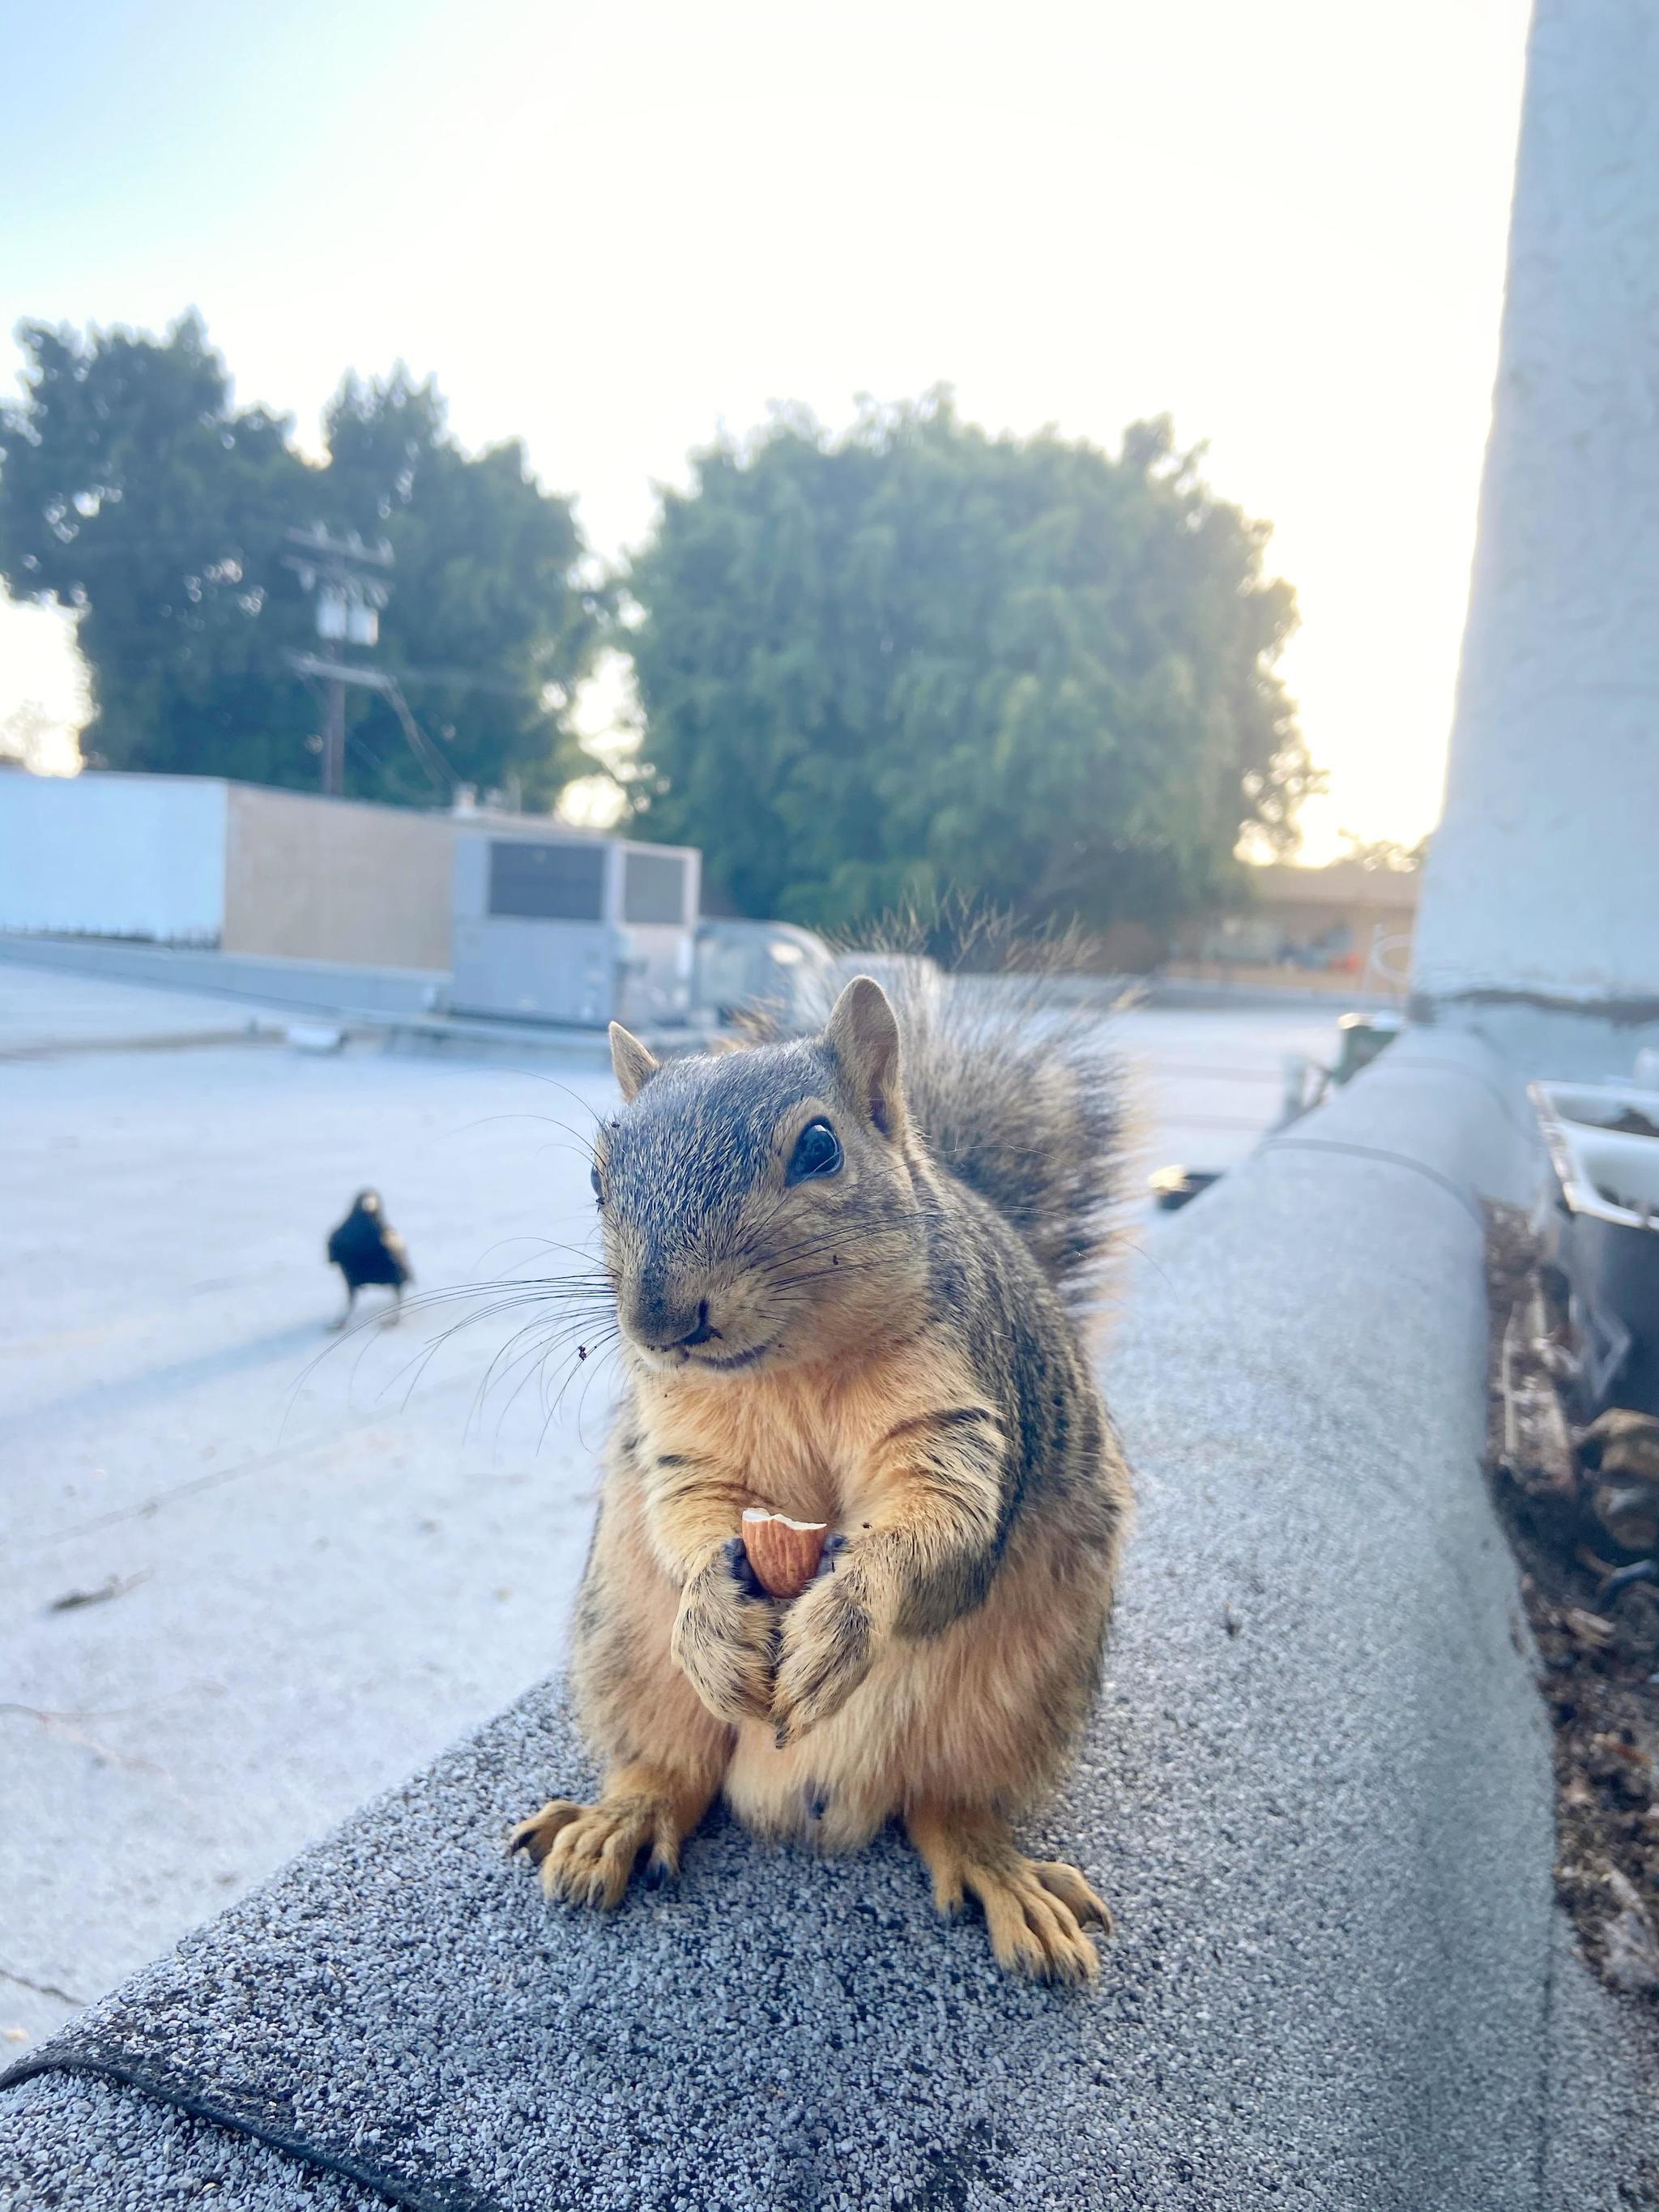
(863, 1033)
(634, 1064)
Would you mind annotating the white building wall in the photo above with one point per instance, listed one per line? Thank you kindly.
(1543, 880)
(114, 855)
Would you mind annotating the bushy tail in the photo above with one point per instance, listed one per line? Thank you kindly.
(1022, 1100)
(1012, 1079)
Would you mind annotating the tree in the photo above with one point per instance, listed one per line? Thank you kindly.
(916, 661)
(26, 736)
(1386, 855)
(132, 492)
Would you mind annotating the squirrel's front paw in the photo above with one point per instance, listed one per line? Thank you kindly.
(828, 1645)
(725, 1639)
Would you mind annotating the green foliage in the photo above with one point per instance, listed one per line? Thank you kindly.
(1385, 855)
(132, 492)
(916, 662)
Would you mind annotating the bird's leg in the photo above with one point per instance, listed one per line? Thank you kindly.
(351, 1300)
(396, 1313)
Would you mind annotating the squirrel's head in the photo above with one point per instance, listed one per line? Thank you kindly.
(760, 1205)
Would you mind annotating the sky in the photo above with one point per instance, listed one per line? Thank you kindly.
(614, 232)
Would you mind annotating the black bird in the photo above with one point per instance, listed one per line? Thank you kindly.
(367, 1249)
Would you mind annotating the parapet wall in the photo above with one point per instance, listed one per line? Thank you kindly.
(1317, 1793)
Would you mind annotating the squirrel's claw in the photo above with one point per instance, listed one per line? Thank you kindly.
(742, 1570)
(587, 1853)
(833, 1545)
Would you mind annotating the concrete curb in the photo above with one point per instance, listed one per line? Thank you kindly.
(159, 1041)
(389, 1008)
(307, 986)
(1318, 1792)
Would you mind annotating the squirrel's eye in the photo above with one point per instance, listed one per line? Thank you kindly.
(817, 1152)
(598, 1187)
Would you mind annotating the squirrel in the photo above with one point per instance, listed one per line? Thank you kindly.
(850, 1273)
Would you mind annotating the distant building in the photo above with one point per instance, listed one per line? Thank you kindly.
(1345, 922)
(513, 914)
(197, 860)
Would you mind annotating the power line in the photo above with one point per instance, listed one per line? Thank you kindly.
(338, 674)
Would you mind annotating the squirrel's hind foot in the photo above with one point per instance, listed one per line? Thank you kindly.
(1035, 1910)
(587, 1853)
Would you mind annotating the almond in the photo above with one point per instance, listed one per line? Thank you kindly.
(783, 1553)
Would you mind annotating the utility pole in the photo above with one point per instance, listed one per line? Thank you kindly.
(351, 585)
(334, 739)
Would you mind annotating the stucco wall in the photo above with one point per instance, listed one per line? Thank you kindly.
(326, 879)
(114, 855)
(1544, 877)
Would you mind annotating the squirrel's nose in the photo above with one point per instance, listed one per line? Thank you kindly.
(661, 1329)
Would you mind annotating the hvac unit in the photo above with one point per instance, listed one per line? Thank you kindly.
(554, 927)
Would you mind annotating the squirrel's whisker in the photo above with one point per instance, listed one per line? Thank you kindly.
(539, 1243)
(583, 1145)
(542, 1334)
(533, 1360)
(530, 1347)
(548, 1286)
(521, 1296)
(573, 1365)
(553, 1083)
(590, 1370)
